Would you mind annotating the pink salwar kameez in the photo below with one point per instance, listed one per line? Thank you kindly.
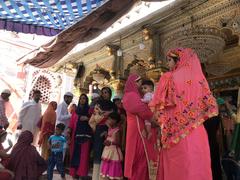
(189, 159)
(182, 102)
(141, 157)
(84, 149)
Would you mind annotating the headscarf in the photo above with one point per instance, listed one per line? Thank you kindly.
(182, 99)
(83, 130)
(131, 85)
(25, 161)
(25, 139)
(83, 109)
(48, 121)
(107, 104)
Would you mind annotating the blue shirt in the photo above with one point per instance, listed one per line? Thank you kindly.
(57, 143)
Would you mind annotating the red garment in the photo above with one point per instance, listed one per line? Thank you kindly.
(103, 121)
(5, 176)
(140, 153)
(48, 122)
(84, 151)
(4, 161)
(182, 99)
(25, 161)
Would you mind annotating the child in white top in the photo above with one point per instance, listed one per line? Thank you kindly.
(147, 89)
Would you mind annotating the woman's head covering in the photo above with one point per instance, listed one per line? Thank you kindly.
(131, 85)
(183, 98)
(83, 109)
(24, 159)
(50, 111)
(25, 138)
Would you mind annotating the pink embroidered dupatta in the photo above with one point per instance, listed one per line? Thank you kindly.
(183, 100)
(137, 112)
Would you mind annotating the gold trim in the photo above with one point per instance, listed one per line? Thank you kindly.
(152, 166)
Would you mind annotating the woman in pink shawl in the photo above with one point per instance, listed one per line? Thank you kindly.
(141, 158)
(25, 161)
(183, 102)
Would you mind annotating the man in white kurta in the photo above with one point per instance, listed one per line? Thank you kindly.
(63, 116)
(30, 115)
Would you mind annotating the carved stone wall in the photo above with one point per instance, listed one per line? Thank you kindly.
(211, 27)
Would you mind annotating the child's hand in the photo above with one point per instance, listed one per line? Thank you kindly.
(107, 143)
(144, 133)
(149, 135)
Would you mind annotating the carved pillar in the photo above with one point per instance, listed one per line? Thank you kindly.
(157, 67)
(155, 47)
(84, 88)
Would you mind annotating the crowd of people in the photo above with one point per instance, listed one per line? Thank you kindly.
(144, 135)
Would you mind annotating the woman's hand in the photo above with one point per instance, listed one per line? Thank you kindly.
(106, 113)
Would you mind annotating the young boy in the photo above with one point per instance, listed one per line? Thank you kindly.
(147, 89)
(56, 144)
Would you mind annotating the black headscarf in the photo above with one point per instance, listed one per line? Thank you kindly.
(107, 105)
(83, 131)
(82, 110)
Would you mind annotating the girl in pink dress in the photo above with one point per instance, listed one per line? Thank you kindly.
(182, 102)
(111, 165)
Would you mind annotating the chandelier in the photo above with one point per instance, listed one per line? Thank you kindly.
(206, 41)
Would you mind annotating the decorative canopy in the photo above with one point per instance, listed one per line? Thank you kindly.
(83, 30)
(44, 17)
